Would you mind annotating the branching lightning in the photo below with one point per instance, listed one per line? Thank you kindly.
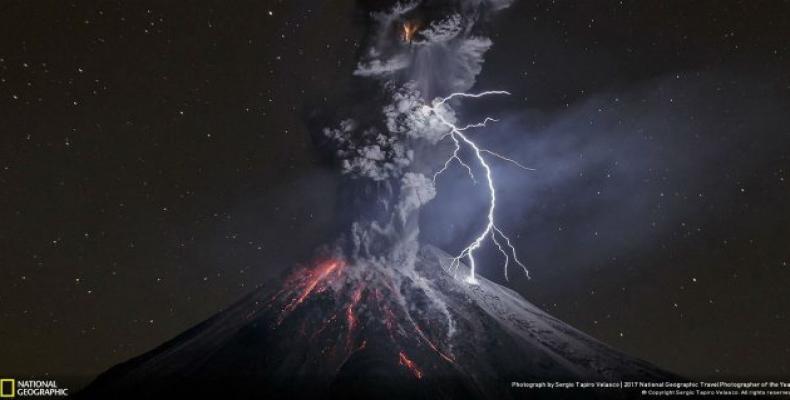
(491, 229)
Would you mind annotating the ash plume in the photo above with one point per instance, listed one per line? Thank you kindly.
(415, 52)
(438, 45)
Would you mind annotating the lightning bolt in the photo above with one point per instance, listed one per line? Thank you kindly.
(500, 240)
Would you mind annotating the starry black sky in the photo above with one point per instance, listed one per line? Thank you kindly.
(156, 164)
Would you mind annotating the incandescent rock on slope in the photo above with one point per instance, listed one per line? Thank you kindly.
(342, 330)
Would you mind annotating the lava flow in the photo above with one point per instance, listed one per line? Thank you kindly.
(404, 360)
(367, 330)
(359, 303)
(311, 281)
(351, 317)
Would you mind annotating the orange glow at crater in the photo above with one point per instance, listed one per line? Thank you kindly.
(409, 29)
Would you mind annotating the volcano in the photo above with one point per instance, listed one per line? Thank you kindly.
(337, 329)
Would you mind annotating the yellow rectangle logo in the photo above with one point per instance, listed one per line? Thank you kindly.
(7, 388)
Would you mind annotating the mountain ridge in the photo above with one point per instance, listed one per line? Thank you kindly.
(344, 329)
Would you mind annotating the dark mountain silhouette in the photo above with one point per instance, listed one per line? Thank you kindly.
(341, 330)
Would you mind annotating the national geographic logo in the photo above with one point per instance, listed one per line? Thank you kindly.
(12, 388)
(7, 388)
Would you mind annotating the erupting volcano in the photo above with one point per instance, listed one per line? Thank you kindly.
(371, 331)
(380, 314)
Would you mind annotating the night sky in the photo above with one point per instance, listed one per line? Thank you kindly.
(156, 164)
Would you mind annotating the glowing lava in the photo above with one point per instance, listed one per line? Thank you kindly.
(364, 299)
(404, 360)
(433, 347)
(351, 317)
(312, 280)
(408, 31)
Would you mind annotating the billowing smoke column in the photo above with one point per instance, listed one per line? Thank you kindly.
(421, 59)
(423, 56)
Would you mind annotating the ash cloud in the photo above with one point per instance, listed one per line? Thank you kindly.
(415, 51)
(446, 52)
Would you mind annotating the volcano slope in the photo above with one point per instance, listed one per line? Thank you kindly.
(349, 330)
